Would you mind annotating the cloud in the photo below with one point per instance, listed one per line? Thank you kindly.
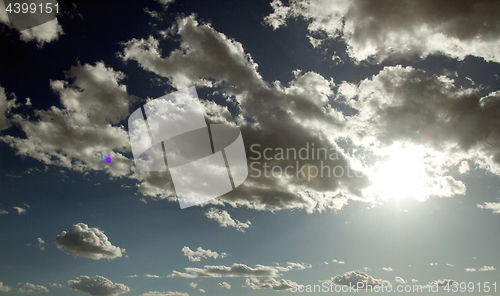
(405, 110)
(272, 116)
(31, 288)
(87, 242)
(97, 286)
(339, 262)
(225, 220)
(464, 167)
(484, 268)
(132, 276)
(4, 107)
(400, 280)
(402, 29)
(193, 285)
(87, 123)
(41, 242)
(201, 290)
(195, 256)
(19, 210)
(237, 270)
(494, 206)
(4, 289)
(354, 277)
(56, 285)
(225, 285)
(152, 276)
(387, 269)
(262, 283)
(44, 33)
(2, 211)
(156, 293)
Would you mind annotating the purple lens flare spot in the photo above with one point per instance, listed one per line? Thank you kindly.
(108, 159)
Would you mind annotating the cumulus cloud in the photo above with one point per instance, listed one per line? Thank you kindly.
(354, 277)
(225, 220)
(97, 286)
(4, 107)
(387, 268)
(484, 268)
(273, 116)
(31, 288)
(87, 242)
(44, 33)
(400, 280)
(4, 289)
(195, 256)
(19, 210)
(193, 285)
(399, 29)
(56, 285)
(154, 276)
(225, 285)
(87, 123)
(262, 283)
(156, 293)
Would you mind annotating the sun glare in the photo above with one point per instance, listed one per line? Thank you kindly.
(402, 175)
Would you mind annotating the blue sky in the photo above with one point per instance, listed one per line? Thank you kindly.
(406, 95)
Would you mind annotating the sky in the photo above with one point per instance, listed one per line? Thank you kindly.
(386, 114)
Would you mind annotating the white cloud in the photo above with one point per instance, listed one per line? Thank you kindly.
(195, 256)
(353, 277)
(201, 290)
(400, 280)
(387, 268)
(281, 285)
(97, 286)
(414, 281)
(56, 285)
(2, 211)
(225, 220)
(44, 33)
(237, 270)
(464, 167)
(494, 206)
(4, 289)
(401, 29)
(41, 242)
(193, 285)
(225, 285)
(156, 293)
(152, 276)
(19, 210)
(31, 288)
(87, 242)
(132, 276)
(484, 268)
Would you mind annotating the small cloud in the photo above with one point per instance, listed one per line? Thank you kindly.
(56, 285)
(31, 288)
(19, 210)
(195, 256)
(414, 281)
(484, 268)
(464, 167)
(132, 276)
(41, 242)
(225, 285)
(449, 264)
(400, 280)
(97, 286)
(193, 285)
(152, 276)
(388, 269)
(5, 289)
(202, 291)
(225, 220)
(3, 212)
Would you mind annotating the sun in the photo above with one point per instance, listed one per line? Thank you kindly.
(401, 175)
